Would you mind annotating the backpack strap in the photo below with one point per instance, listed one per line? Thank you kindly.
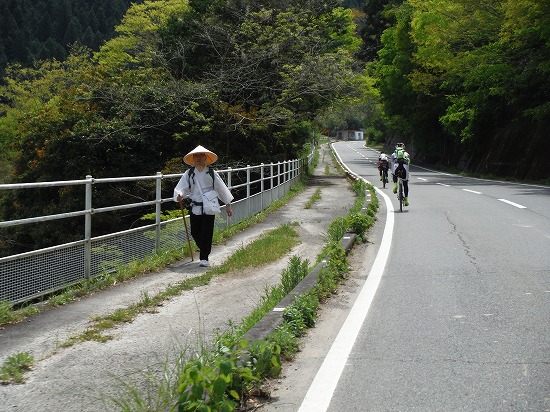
(192, 176)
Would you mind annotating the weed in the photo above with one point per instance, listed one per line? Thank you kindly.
(359, 223)
(12, 370)
(222, 381)
(8, 314)
(301, 313)
(296, 271)
(314, 197)
(287, 341)
(337, 228)
(336, 269)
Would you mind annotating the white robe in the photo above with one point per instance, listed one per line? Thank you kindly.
(206, 183)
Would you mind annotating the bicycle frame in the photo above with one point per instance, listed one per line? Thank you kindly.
(400, 193)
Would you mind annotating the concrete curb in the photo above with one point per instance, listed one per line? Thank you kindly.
(272, 320)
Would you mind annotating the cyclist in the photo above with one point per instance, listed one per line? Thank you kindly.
(383, 164)
(400, 167)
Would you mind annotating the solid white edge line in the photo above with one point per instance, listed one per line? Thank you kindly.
(322, 388)
(513, 204)
(472, 191)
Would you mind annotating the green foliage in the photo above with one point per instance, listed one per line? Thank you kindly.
(203, 387)
(453, 73)
(297, 270)
(359, 223)
(314, 197)
(265, 358)
(284, 337)
(44, 30)
(222, 382)
(13, 368)
(159, 87)
(6, 313)
(301, 313)
(337, 261)
(337, 228)
(10, 314)
(268, 248)
(336, 269)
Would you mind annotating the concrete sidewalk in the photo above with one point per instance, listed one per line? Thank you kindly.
(82, 376)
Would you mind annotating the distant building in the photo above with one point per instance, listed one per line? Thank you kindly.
(350, 135)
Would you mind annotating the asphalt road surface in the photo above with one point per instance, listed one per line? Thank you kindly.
(454, 313)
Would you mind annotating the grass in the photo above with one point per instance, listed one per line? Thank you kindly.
(13, 368)
(314, 198)
(268, 248)
(282, 343)
(227, 347)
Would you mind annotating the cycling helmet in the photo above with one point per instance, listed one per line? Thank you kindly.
(400, 146)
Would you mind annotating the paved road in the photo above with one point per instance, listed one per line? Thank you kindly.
(458, 317)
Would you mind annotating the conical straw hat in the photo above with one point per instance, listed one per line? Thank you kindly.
(211, 157)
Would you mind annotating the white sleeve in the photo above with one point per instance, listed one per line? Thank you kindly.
(182, 188)
(224, 194)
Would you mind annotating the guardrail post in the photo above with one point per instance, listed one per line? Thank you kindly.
(88, 227)
(285, 176)
(248, 190)
(281, 179)
(262, 186)
(271, 189)
(158, 198)
(229, 186)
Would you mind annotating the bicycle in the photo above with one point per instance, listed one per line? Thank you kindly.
(384, 177)
(400, 196)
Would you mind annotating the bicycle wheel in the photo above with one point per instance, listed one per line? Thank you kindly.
(400, 195)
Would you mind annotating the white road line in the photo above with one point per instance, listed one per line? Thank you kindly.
(472, 191)
(421, 178)
(443, 184)
(513, 204)
(322, 388)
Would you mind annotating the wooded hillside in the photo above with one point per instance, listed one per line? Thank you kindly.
(44, 29)
(465, 83)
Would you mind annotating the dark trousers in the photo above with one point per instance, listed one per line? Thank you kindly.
(202, 230)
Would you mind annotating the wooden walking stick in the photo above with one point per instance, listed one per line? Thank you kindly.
(186, 230)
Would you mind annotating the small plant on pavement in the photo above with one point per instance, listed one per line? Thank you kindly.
(314, 197)
(8, 314)
(359, 223)
(12, 371)
(222, 382)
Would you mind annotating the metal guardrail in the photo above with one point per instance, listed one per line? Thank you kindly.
(31, 275)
